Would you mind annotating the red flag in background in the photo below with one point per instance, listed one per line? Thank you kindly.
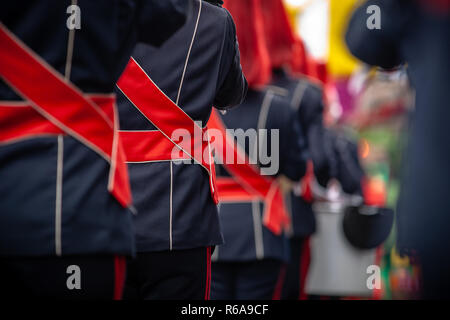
(255, 59)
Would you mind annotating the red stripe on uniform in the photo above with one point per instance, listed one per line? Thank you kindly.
(266, 188)
(62, 104)
(208, 273)
(119, 276)
(168, 118)
(280, 282)
(305, 261)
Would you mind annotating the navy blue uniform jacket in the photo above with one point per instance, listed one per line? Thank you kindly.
(306, 99)
(346, 163)
(246, 239)
(89, 220)
(174, 206)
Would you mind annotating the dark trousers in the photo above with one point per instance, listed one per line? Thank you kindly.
(256, 280)
(169, 275)
(296, 269)
(69, 277)
(435, 268)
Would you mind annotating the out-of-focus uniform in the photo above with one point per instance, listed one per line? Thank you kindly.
(249, 264)
(417, 33)
(306, 99)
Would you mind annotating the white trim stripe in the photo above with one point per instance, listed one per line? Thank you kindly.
(278, 90)
(69, 56)
(58, 197)
(189, 51)
(171, 207)
(138, 131)
(264, 111)
(115, 147)
(26, 137)
(152, 161)
(298, 95)
(257, 229)
(256, 210)
(262, 120)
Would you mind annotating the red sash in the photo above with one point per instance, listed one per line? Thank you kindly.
(56, 106)
(167, 117)
(306, 183)
(247, 184)
(231, 191)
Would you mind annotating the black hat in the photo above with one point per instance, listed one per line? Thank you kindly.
(367, 227)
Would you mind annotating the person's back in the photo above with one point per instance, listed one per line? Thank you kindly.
(92, 58)
(262, 110)
(305, 96)
(196, 78)
(57, 197)
(80, 44)
(197, 68)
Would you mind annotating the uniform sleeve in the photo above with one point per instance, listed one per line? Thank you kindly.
(158, 20)
(311, 116)
(232, 83)
(332, 166)
(350, 171)
(293, 151)
(319, 155)
(378, 47)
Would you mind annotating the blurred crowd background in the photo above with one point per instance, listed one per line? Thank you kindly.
(369, 106)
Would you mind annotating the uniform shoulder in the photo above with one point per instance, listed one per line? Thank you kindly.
(217, 11)
(279, 104)
(312, 82)
(221, 18)
(313, 88)
(278, 90)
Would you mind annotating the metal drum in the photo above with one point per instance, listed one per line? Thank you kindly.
(337, 268)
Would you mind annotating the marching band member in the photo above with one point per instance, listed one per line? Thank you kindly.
(249, 264)
(177, 222)
(417, 32)
(305, 96)
(65, 222)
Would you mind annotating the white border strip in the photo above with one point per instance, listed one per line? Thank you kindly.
(58, 201)
(257, 229)
(189, 51)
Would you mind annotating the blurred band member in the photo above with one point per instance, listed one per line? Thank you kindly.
(305, 96)
(250, 263)
(417, 33)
